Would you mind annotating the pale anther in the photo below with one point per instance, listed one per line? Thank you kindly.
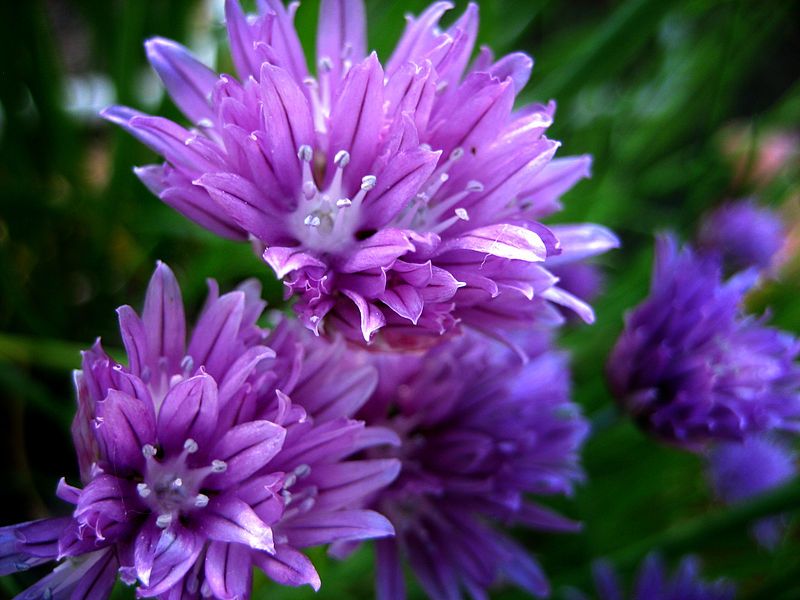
(143, 490)
(312, 221)
(474, 186)
(164, 520)
(325, 64)
(149, 450)
(462, 214)
(190, 446)
(305, 153)
(341, 159)
(205, 123)
(457, 153)
(368, 182)
(187, 363)
(342, 202)
(201, 501)
(218, 466)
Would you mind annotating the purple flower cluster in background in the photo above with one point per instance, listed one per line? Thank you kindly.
(693, 369)
(402, 198)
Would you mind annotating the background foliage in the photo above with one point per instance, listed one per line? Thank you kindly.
(678, 100)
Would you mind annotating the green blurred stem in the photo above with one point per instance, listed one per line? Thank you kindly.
(692, 534)
(51, 354)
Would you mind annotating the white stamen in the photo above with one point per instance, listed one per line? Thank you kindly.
(312, 221)
(201, 501)
(341, 159)
(462, 214)
(176, 483)
(290, 480)
(302, 470)
(143, 490)
(474, 186)
(343, 202)
(190, 446)
(218, 466)
(187, 364)
(206, 123)
(368, 182)
(456, 154)
(287, 496)
(305, 153)
(164, 520)
(149, 450)
(325, 64)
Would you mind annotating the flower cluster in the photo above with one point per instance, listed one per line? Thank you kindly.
(196, 465)
(479, 432)
(691, 368)
(403, 198)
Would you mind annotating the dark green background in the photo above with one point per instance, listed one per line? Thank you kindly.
(652, 88)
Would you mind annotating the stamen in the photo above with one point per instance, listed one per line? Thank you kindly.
(149, 450)
(341, 159)
(143, 490)
(305, 153)
(190, 446)
(302, 470)
(462, 214)
(325, 64)
(201, 501)
(176, 483)
(368, 182)
(290, 480)
(218, 466)
(343, 202)
(309, 188)
(205, 123)
(312, 221)
(163, 521)
(187, 364)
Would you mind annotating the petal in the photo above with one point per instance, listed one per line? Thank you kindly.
(420, 35)
(502, 240)
(356, 122)
(241, 40)
(228, 519)
(517, 66)
(557, 177)
(372, 318)
(412, 90)
(285, 43)
(582, 241)
(123, 425)
(245, 449)
(98, 580)
(405, 300)
(189, 411)
(379, 250)
(288, 567)
(228, 570)
(214, 343)
(313, 528)
(134, 338)
(188, 81)
(144, 549)
(390, 583)
(285, 260)
(241, 370)
(163, 319)
(341, 37)
(567, 300)
(176, 552)
(350, 483)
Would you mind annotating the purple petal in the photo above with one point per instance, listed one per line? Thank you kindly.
(314, 528)
(134, 338)
(228, 570)
(285, 43)
(517, 66)
(582, 241)
(241, 370)
(285, 260)
(379, 250)
(349, 483)
(287, 566)
(214, 343)
(405, 300)
(164, 322)
(503, 240)
(371, 317)
(356, 121)
(245, 449)
(241, 40)
(557, 177)
(411, 90)
(228, 519)
(176, 552)
(188, 81)
(567, 300)
(390, 581)
(189, 411)
(341, 37)
(419, 36)
(124, 424)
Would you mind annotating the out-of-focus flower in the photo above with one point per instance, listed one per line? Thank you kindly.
(741, 470)
(690, 367)
(745, 234)
(403, 198)
(480, 432)
(758, 158)
(654, 583)
(196, 467)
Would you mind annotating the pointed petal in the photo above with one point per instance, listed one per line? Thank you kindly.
(228, 519)
(314, 528)
(502, 240)
(341, 36)
(285, 260)
(379, 250)
(228, 570)
(372, 318)
(350, 483)
(176, 552)
(123, 425)
(214, 343)
(582, 241)
(189, 411)
(245, 449)
(188, 81)
(288, 567)
(163, 319)
(134, 338)
(405, 300)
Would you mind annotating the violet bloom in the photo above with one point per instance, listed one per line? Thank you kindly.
(480, 432)
(196, 467)
(745, 234)
(654, 583)
(691, 368)
(404, 198)
(741, 470)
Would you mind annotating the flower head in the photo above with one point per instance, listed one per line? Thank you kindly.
(691, 368)
(403, 198)
(654, 583)
(196, 465)
(745, 234)
(480, 432)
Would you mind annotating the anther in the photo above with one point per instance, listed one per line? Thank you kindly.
(474, 186)
(206, 123)
(201, 501)
(302, 470)
(190, 446)
(218, 466)
(325, 64)
(368, 182)
(149, 450)
(462, 214)
(456, 154)
(176, 483)
(343, 202)
(187, 363)
(290, 480)
(312, 221)
(305, 153)
(164, 520)
(143, 489)
(341, 159)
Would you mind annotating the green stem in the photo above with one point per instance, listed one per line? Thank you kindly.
(51, 354)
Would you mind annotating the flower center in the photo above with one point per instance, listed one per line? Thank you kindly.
(171, 487)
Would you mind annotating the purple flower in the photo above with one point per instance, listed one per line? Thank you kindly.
(745, 234)
(480, 432)
(741, 470)
(691, 368)
(654, 583)
(196, 466)
(403, 198)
